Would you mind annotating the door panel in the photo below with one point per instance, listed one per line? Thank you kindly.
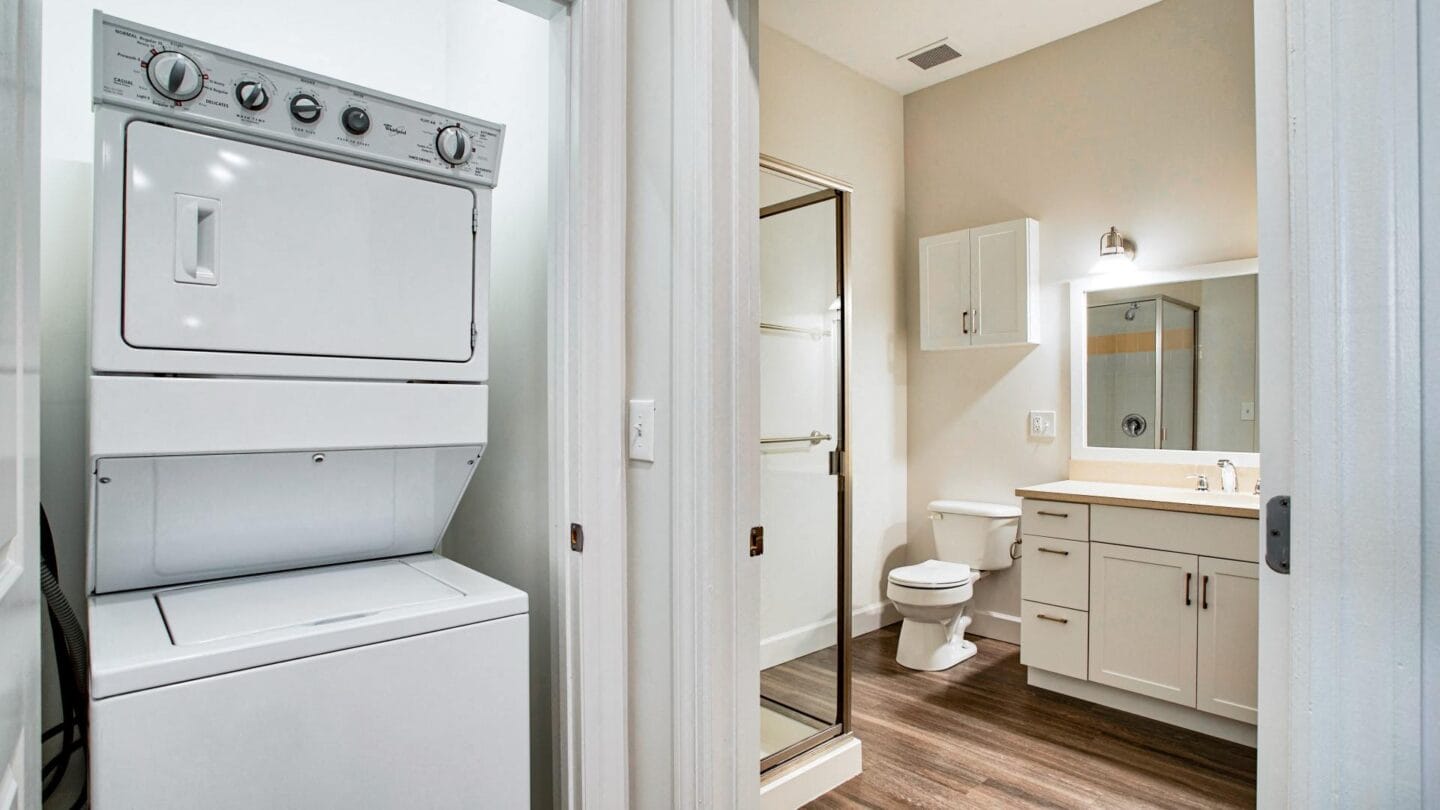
(945, 291)
(1142, 632)
(1227, 679)
(240, 248)
(999, 283)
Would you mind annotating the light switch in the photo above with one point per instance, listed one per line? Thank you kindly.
(642, 429)
(1042, 424)
(1247, 412)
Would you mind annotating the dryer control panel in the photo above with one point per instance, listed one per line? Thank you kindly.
(173, 77)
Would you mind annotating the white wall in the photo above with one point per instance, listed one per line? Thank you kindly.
(1146, 123)
(475, 56)
(816, 113)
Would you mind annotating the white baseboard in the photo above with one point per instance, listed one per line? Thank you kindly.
(792, 644)
(994, 624)
(1145, 706)
(811, 776)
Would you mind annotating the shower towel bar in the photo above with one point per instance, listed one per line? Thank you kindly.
(815, 437)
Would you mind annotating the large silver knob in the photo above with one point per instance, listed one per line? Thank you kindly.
(453, 144)
(175, 75)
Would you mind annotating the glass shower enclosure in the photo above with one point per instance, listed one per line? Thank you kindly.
(805, 570)
(1141, 368)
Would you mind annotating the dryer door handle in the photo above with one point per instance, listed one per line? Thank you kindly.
(197, 239)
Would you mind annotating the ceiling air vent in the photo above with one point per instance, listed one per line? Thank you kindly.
(936, 53)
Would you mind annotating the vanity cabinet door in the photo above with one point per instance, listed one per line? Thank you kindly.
(1228, 675)
(1143, 606)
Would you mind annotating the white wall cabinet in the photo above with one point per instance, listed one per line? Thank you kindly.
(978, 286)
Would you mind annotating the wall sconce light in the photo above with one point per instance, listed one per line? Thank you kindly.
(1116, 253)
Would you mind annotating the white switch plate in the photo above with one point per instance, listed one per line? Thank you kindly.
(1247, 412)
(1042, 424)
(642, 429)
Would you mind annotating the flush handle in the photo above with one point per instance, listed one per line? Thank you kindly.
(197, 239)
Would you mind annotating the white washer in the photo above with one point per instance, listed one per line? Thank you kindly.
(287, 400)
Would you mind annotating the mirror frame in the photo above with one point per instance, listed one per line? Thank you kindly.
(1079, 323)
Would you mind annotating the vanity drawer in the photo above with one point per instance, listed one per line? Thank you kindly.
(1055, 639)
(1070, 521)
(1231, 538)
(1056, 572)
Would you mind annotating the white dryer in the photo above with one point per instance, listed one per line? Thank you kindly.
(287, 400)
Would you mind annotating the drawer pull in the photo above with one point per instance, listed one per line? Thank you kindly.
(1060, 619)
(1052, 514)
(1054, 551)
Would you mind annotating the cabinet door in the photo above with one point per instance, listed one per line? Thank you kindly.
(1000, 274)
(1142, 621)
(945, 318)
(1227, 677)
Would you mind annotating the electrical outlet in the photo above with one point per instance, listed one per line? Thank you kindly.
(1042, 424)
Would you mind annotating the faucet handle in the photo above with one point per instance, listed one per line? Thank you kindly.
(1257, 485)
(1202, 483)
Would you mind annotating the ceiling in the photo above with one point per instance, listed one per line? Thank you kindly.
(868, 36)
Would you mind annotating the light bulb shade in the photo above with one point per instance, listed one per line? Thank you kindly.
(1112, 263)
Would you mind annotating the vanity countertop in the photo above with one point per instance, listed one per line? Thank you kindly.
(1172, 499)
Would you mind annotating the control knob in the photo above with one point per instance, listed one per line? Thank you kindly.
(175, 75)
(355, 120)
(453, 144)
(252, 95)
(305, 108)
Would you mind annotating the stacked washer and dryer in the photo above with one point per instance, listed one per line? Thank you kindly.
(287, 400)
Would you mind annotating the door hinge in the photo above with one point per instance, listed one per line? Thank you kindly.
(577, 537)
(837, 462)
(757, 541)
(474, 220)
(1277, 534)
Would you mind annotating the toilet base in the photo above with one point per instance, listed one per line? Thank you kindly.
(931, 647)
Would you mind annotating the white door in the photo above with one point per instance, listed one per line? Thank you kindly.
(1227, 673)
(233, 247)
(1142, 621)
(19, 397)
(999, 283)
(945, 316)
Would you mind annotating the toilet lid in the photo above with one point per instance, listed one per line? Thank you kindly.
(931, 574)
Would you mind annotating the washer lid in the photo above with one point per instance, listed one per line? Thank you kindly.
(149, 638)
(932, 574)
(975, 508)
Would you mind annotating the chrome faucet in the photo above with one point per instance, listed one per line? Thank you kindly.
(1202, 483)
(1229, 477)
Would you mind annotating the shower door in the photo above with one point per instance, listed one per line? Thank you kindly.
(804, 591)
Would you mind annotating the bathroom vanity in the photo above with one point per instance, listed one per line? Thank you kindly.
(1144, 599)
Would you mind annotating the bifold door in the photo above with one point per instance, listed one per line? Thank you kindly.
(233, 247)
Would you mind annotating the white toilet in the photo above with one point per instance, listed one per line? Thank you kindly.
(971, 539)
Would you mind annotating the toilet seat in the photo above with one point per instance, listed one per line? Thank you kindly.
(932, 575)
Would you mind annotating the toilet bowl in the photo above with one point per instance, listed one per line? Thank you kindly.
(971, 539)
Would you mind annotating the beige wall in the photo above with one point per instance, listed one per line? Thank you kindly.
(1146, 123)
(819, 114)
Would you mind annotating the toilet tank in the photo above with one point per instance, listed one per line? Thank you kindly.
(974, 533)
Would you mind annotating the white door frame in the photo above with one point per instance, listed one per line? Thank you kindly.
(586, 313)
(715, 374)
(20, 724)
(1342, 638)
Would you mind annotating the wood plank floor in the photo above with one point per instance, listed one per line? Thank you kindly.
(978, 736)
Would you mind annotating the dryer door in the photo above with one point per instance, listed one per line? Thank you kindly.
(232, 247)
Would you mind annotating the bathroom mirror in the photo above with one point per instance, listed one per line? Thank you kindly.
(1165, 363)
